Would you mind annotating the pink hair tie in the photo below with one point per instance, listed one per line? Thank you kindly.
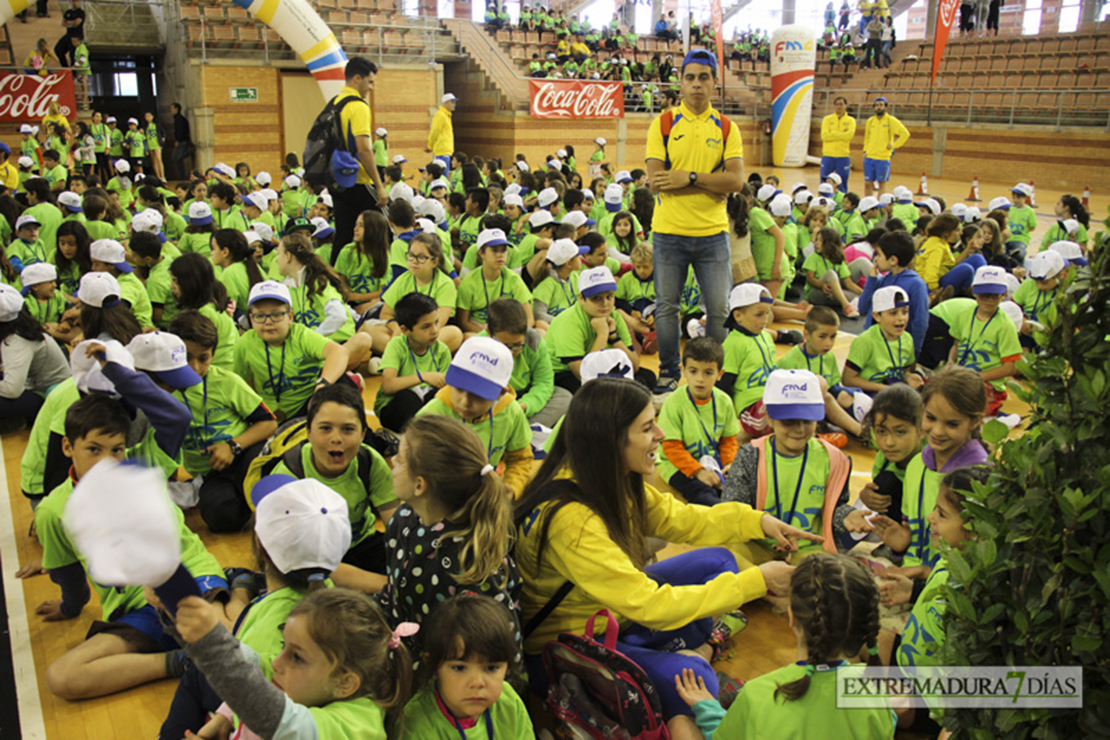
(404, 629)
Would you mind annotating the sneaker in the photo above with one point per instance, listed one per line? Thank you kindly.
(723, 629)
(851, 311)
(729, 689)
(838, 440)
(374, 366)
(356, 379)
(244, 578)
(789, 336)
(665, 384)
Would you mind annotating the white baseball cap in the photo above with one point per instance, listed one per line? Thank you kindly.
(448, 97)
(990, 279)
(110, 119)
(766, 192)
(433, 209)
(111, 252)
(25, 128)
(781, 205)
(826, 188)
(263, 178)
(609, 363)
(224, 169)
(513, 188)
(269, 290)
(886, 199)
(321, 228)
(1014, 311)
(541, 218)
(380, 131)
(292, 181)
(442, 183)
(1022, 189)
(578, 219)
(27, 219)
(1070, 251)
(522, 166)
(561, 154)
(200, 213)
(36, 274)
(1000, 203)
(563, 251)
(256, 200)
(302, 523)
(972, 215)
(98, 289)
(932, 204)
(149, 220)
(251, 236)
(614, 197)
(11, 303)
(835, 178)
(588, 194)
(794, 394)
(269, 194)
(1069, 225)
(25, 162)
(163, 355)
(596, 280)
(600, 141)
(623, 176)
(868, 203)
(87, 373)
(803, 196)
(492, 238)
(889, 298)
(1042, 266)
(548, 196)
(121, 517)
(401, 191)
(959, 210)
(512, 199)
(122, 165)
(71, 200)
(132, 121)
(903, 194)
(399, 159)
(426, 225)
(263, 231)
(748, 294)
(482, 366)
(822, 202)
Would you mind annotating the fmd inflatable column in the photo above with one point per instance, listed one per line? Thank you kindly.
(793, 58)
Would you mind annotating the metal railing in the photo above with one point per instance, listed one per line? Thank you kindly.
(108, 12)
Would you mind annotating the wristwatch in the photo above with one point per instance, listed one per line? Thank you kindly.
(693, 178)
(236, 448)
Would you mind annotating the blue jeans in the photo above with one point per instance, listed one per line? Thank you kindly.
(654, 650)
(712, 261)
(841, 166)
(960, 276)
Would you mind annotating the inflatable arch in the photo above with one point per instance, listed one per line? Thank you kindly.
(294, 20)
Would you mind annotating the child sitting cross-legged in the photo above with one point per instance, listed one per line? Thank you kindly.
(834, 612)
(793, 475)
(701, 427)
(559, 290)
(883, 355)
(478, 392)
(470, 649)
(413, 364)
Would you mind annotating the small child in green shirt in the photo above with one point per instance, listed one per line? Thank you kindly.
(492, 281)
(54, 171)
(533, 377)
(26, 249)
(828, 281)
(1037, 295)
(414, 364)
(749, 357)
(43, 300)
(636, 295)
(883, 355)
(558, 291)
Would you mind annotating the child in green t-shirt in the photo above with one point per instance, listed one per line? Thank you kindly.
(828, 281)
(108, 255)
(883, 355)
(413, 364)
(558, 291)
(699, 422)
(895, 423)
(492, 281)
(1037, 295)
(793, 475)
(533, 375)
(54, 171)
(27, 248)
(43, 300)
(986, 340)
(636, 295)
(749, 356)
(478, 392)
(282, 360)
(146, 252)
(591, 325)
(1022, 219)
(230, 424)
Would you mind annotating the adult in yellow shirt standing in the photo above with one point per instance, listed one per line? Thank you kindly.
(882, 135)
(837, 130)
(9, 173)
(356, 121)
(694, 160)
(441, 139)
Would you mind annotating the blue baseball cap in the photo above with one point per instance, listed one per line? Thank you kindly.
(794, 394)
(700, 56)
(483, 366)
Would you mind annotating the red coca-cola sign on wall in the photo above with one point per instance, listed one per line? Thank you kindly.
(28, 97)
(576, 99)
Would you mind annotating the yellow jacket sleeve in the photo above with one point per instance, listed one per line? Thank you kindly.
(899, 133)
(518, 469)
(930, 262)
(835, 138)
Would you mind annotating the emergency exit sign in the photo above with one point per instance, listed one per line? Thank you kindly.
(244, 94)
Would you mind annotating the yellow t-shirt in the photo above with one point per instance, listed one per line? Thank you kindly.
(882, 136)
(696, 144)
(9, 176)
(836, 135)
(356, 120)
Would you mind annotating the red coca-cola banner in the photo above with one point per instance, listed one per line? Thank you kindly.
(25, 98)
(576, 99)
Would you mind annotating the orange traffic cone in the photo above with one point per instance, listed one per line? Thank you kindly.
(973, 196)
(923, 188)
(1086, 196)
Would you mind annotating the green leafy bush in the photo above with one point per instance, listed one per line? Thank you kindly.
(1034, 587)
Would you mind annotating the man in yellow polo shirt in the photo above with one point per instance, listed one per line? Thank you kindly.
(356, 120)
(441, 139)
(882, 135)
(692, 169)
(837, 130)
(9, 173)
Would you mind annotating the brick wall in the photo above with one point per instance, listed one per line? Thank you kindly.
(244, 132)
(404, 101)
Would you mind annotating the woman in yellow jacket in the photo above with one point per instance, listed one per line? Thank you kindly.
(582, 526)
(935, 262)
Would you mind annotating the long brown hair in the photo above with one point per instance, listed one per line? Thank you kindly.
(352, 631)
(836, 603)
(590, 444)
(317, 273)
(375, 243)
(450, 457)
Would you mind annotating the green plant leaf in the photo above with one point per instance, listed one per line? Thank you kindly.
(994, 432)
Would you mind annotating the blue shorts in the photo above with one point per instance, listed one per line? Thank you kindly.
(876, 170)
(151, 638)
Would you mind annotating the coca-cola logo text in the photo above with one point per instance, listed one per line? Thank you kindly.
(570, 99)
(28, 97)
